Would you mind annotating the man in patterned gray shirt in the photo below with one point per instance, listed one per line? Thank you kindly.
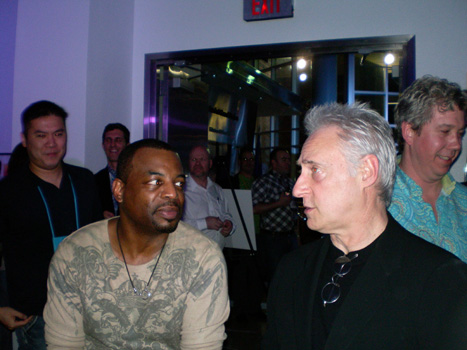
(144, 280)
(272, 198)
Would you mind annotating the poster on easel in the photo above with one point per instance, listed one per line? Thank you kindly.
(238, 240)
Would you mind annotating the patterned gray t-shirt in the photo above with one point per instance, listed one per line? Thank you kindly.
(91, 304)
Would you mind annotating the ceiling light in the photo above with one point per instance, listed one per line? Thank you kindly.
(301, 63)
(389, 59)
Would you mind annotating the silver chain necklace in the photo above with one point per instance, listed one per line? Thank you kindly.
(145, 294)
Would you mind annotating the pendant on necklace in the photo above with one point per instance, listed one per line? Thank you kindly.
(145, 294)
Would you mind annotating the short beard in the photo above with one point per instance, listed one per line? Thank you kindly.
(166, 229)
(172, 224)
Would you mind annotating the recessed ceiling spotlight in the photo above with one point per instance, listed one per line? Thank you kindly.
(301, 63)
(389, 59)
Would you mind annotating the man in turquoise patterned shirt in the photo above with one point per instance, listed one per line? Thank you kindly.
(427, 200)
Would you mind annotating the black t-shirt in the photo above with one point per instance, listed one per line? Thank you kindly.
(324, 316)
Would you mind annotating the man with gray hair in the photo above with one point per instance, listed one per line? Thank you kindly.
(427, 200)
(368, 283)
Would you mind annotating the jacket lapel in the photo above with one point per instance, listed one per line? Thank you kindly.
(304, 293)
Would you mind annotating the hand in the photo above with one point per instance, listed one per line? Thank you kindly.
(226, 228)
(108, 214)
(214, 223)
(13, 319)
(285, 199)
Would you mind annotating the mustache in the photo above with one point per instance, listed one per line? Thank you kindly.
(169, 203)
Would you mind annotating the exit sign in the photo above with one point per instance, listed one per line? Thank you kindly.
(255, 10)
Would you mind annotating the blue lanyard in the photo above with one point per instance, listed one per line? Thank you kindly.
(112, 176)
(56, 240)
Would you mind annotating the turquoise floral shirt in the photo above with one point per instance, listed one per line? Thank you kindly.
(417, 216)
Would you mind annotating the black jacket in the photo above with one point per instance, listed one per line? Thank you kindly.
(103, 187)
(26, 234)
(409, 295)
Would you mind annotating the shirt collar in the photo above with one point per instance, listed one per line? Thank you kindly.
(191, 184)
(447, 182)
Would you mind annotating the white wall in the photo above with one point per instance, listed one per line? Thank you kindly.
(51, 63)
(88, 55)
(8, 15)
(108, 95)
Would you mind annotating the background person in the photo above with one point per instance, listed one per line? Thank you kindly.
(114, 139)
(272, 199)
(244, 179)
(8, 316)
(427, 200)
(41, 203)
(205, 205)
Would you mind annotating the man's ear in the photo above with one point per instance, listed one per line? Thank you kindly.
(118, 188)
(23, 140)
(408, 133)
(369, 170)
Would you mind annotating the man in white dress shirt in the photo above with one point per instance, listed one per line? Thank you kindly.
(205, 205)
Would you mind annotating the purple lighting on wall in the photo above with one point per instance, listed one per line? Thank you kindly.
(150, 120)
(186, 124)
